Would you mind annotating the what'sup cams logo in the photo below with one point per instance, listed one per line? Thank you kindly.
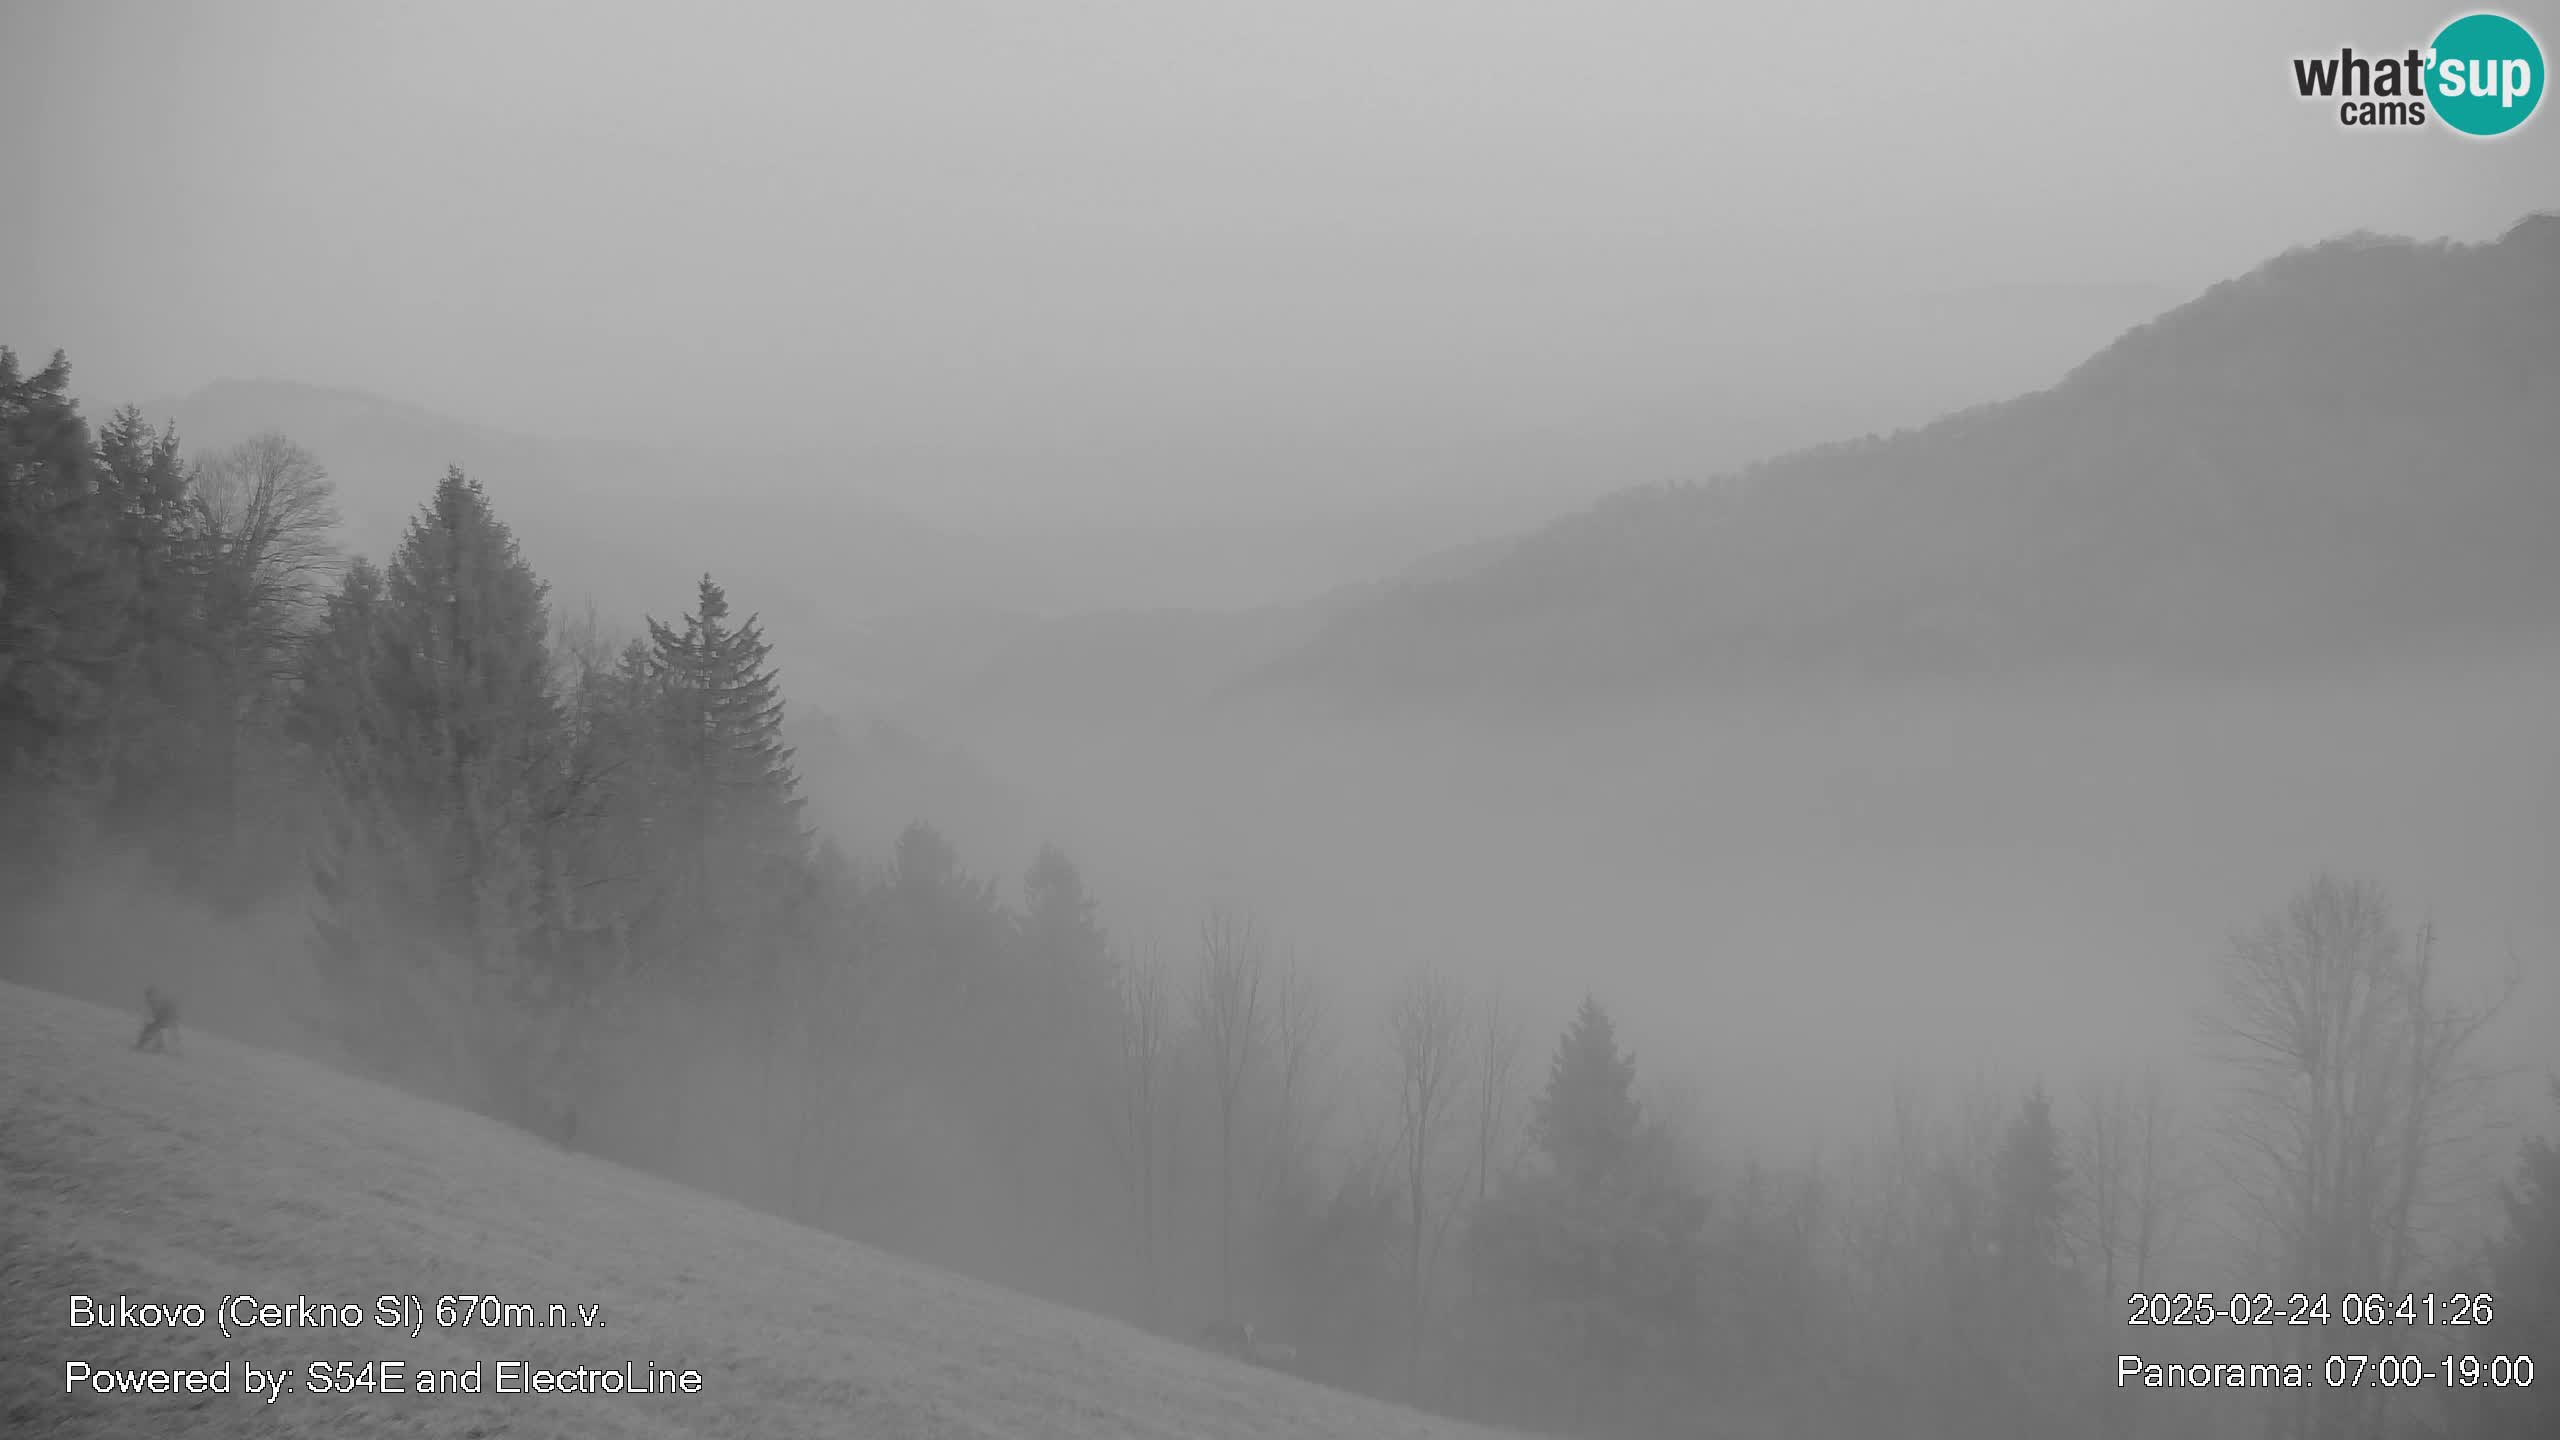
(2482, 75)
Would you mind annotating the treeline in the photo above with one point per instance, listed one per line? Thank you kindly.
(569, 883)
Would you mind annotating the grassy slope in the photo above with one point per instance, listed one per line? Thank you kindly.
(224, 1169)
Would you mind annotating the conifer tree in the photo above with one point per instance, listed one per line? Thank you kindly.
(2034, 1193)
(2017, 1339)
(731, 791)
(1600, 1247)
(428, 703)
(1066, 992)
(64, 601)
(2523, 1278)
(1586, 1120)
(155, 711)
(724, 715)
(610, 835)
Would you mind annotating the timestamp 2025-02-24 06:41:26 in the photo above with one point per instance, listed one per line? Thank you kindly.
(2351, 1308)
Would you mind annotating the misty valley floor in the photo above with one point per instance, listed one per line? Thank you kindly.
(221, 1170)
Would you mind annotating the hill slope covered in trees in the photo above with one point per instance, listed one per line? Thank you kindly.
(2346, 452)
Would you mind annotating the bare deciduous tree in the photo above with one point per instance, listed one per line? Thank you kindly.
(2132, 1188)
(584, 650)
(1299, 1041)
(1226, 1009)
(1426, 1045)
(2350, 1074)
(1145, 1045)
(2162, 1184)
(1497, 1058)
(264, 510)
(2101, 1156)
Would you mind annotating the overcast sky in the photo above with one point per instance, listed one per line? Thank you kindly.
(1104, 255)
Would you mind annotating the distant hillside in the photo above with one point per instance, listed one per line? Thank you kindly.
(626, 527)
(2348, 451)
(962, 673)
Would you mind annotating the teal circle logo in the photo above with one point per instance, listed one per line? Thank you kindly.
(2484, 74)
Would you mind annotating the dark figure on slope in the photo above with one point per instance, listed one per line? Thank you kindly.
(159, 1023)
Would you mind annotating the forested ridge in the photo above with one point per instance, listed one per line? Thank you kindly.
(568, 882)
(2342, 455)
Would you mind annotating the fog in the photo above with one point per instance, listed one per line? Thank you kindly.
(1810, 898)
(1888, 574)
(1016, 265)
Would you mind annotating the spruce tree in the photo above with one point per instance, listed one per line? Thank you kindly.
(152, 714)
(727, 773)
(2033, 1198)
(64, 598)
(465, 685)
(724, 714)
(428, 702)
(1587, 1118)
(1068, 955)
(2522, 1281)
(1056, 1022)
(1600, 1248)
